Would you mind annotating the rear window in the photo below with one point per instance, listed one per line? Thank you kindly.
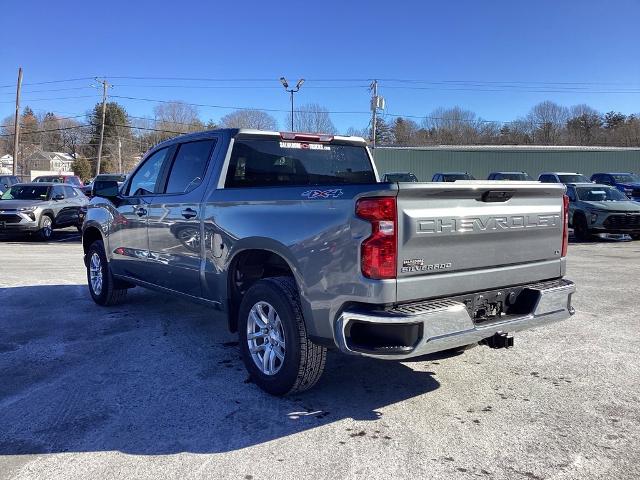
(512, 176)
(573, 178)
(452, 177)
(263, 163)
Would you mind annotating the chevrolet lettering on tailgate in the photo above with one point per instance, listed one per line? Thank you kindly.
(483, 224)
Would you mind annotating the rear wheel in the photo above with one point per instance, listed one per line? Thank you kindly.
(580, 227)
(273, 338)
(102, 285)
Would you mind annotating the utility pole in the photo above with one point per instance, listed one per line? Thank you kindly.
(374, 112)
(119, 155)
(105, 85)
(16, 125)
(376, 103)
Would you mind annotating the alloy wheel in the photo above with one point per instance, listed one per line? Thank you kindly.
(95, 273)
(265, 338)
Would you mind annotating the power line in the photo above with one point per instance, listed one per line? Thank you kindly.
(49, 81)
(52, 98)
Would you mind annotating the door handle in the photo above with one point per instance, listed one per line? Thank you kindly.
(189, 213)
(141, 211)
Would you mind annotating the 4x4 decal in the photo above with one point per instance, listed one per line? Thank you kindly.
(333, 193)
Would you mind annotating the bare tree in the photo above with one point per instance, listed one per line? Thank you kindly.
(548, 120)
(405, 131)
(312, 118)
(177, 117)
(73, 137)
(249, 119)
(451, 126)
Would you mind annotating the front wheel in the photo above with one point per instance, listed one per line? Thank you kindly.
(580, 227)
(273, 338)
(45, 228)
(102, 285)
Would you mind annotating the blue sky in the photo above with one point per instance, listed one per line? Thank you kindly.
(588, 49)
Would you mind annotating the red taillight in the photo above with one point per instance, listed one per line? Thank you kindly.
(565, 228)
(379, 251)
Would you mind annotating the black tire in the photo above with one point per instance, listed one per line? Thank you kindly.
(107, 294)
(580, 228)
(303, 361)
(635, 236)
(45, 228)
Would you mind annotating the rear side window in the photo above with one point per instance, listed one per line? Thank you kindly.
(263, 163)
(547, 179)
(189, 166)
(145, 180)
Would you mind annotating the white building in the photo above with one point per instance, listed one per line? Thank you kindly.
(49, 161)
(6, 164)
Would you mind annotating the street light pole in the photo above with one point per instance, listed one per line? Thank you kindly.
(285, 84)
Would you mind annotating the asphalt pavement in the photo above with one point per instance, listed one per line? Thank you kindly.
(155, 388)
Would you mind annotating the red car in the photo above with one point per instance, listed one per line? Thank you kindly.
(70, 179)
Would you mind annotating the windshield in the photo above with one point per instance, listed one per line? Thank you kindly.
(27, 192)
(452, 177)
(600, 194)
(111, 178)
(573, 178)
(262, 163)
(626, 178)
(513, 176)
(400, 177)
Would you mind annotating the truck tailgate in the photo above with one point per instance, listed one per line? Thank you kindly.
(476, 235)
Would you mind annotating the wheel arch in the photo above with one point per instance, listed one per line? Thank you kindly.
(252, 261)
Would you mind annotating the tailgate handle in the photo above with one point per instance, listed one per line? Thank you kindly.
(496, 195)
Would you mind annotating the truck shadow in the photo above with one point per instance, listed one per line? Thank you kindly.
(158, 376)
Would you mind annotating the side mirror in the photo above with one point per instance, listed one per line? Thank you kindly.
(105, 189)
(58, 197)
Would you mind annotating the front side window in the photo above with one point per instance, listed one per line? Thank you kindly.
(70, 192)
(58, 191)
(270, 162)
(145, 180)
(189, 166)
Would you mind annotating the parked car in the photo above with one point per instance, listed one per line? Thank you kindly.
(513, 176)
(39, 207)
(6, 181)
(399, 177)
(627, 183)
(601, 209)
(562, 177)
(118, 177)
(452, 177)
(305, 250)
(70, 179)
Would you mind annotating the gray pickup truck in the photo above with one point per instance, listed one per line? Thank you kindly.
(293, 236)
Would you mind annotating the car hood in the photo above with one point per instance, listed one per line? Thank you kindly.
(16, 204)
(620, 206)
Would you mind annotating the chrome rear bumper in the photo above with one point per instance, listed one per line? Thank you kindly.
(445, 324)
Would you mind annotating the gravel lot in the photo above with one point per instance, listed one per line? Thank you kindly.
(155, 388)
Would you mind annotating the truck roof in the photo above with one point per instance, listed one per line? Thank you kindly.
(249, 132)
